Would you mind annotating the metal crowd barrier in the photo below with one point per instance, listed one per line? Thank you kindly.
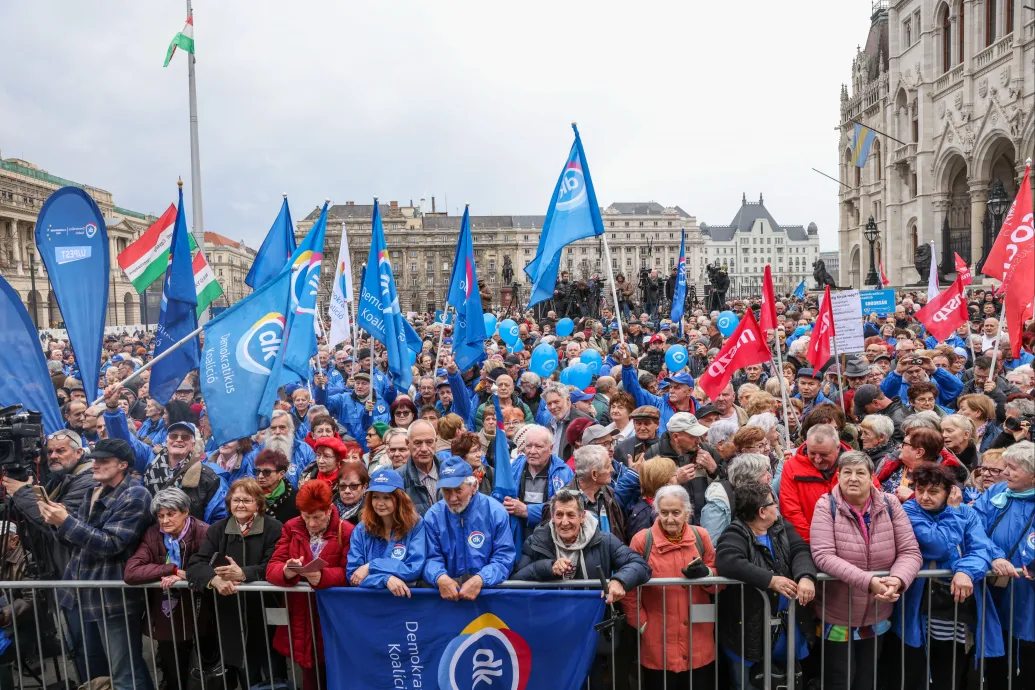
(19, 669)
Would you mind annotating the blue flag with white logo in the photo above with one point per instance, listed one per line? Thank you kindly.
(379, 311)
(504, 484)
(679, 295)
(469, 330)
(275, 251)
(300, 332)
(799, 291)
(26, 380)
(505, 639)
(573, 215)
(73, 242)
(178, 317)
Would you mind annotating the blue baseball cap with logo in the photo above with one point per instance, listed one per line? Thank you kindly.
(579, 396)
(385, 482)
(452, 473)
(682, 377)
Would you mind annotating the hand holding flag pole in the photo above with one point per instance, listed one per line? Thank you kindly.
(136, 374)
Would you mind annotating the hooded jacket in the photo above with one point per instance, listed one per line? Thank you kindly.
(952, 539)
(949, 387)
(801, 485)
(478, 541)
(351, 412)
(402, 557)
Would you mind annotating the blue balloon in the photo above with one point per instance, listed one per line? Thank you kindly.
(676, 358)
(565, 327)
(509, 331)
(579, 376)
(518, 346)
(566, 376)
(593, 360)
(490, 324)
(544, 360)
(799, 331)
(727, 323)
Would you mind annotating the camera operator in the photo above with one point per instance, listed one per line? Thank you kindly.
(1019, 424)
(652, 289)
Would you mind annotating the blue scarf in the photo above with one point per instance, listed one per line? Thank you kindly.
(174, 556)
(1000, 500)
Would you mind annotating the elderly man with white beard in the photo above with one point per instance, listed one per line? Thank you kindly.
(280, 436)
(470, 544)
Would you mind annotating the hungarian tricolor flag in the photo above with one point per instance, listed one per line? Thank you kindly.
(822, 334)
(746, 346)
(184, 40)
(206, 286)
(145, 260)
(946, 312)
(1012, 261)
(963, 271)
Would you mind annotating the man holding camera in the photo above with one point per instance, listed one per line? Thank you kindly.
(914, 369)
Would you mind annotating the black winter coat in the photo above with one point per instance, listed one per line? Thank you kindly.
(604, 549)
(739, 556)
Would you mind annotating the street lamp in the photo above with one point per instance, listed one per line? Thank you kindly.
(998, 204)
(871, 237)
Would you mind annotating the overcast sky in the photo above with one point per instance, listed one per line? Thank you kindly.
(687, 103)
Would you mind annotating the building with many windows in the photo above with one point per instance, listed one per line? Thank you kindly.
(752, 240)
(949, 86)
(24, 187)
(230, 261)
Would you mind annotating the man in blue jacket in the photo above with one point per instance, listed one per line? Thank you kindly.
(356, 410)
(678, 397)
(538, 473)
(470, 544)
(914, 369)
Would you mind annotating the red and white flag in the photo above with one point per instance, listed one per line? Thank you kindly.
(963, 271)
(746, 346)
(946, 312)
(822, 334)
(884, 282)
(1012, 261)
(767, 314)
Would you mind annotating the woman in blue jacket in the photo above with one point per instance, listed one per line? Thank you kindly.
(387, 548)
(951, 537)
(1007, 510)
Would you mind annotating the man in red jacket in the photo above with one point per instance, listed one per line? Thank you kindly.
(808, 475)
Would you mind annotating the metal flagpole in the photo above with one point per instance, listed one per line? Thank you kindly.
(614, 290)
(195, 159)
(182, 341)
(840, 383)
(441, 337)
(783, 389)
(995, 347)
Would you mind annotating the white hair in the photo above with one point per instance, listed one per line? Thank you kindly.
(676, 491)
(746, 467)
(879, 424)
(528, 429)
(721, 431)
(799, 347)
(1023, 453)
(823, 432)
(589, 458)
(284, 413)
(766, 421)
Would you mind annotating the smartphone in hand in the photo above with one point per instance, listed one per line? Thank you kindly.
(41, 494)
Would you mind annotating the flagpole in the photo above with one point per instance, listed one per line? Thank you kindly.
(195, 159)
(614, 290)
(840, 383)
(783, 388)
(441, 336)
(995, 348)
(182, 341)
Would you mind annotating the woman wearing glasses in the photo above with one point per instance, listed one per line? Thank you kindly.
(352, 482)
(989, 472)
(236, 550)
(402, 412)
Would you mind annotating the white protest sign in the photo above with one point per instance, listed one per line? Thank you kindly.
(848, 323)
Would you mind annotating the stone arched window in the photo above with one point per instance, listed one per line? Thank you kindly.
(946, 24)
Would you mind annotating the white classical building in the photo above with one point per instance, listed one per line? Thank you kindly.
(952, 81)
(752, 240)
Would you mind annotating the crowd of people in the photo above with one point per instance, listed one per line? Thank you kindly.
(914, 454)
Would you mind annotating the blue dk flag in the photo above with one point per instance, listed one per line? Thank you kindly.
(799, 291)
(504, 483)
(178, 317)
(469, 330)
(275, 252)
(679, 295)
(379, 311)
(517, 640)
(573, 215)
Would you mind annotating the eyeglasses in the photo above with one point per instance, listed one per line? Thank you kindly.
(770, 504)
(243, 501)
(403, 413)
(605, 444)
(180, 437)
(993, 471)
(350, 487)
(266, 472)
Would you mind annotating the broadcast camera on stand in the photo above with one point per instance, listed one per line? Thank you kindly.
(21, 441)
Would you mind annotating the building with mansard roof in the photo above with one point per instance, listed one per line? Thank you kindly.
(949, 86)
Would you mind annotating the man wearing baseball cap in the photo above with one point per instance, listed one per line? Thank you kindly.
(810, 389)
(676, 398)
(103, 533)
(470, 544)
(172, 465)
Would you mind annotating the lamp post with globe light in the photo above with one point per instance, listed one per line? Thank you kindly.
(871, 236)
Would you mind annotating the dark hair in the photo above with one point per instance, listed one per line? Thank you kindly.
(933, 475)
(464, 442)
(983, 363)
(268, 456)
(319, 419)
(624, 400)
(429, 408)
(402, 402)
(179, 411)
(751, 497)
(824, 413)
(918, 389)
(404, 518)
(930, 441)
(357, 467)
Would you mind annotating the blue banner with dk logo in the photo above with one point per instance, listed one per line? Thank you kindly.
(504, 640)
(73, 242)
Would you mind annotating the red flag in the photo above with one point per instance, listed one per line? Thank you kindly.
(1012, 260)
(822, 332)
(745, 347)
(963, 271)
(884, 282)
(767, 315)
(946, 312)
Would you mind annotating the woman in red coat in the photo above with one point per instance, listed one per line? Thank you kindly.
(316, 533)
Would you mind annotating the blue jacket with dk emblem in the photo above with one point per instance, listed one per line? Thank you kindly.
(478, 541)
(403, 557)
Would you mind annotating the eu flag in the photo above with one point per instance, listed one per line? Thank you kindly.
(379, 312)
(275, 251)
(504, 484)
(178, 317)
(799, 291)
(679, 295)
(573, 215)
(469, 330)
